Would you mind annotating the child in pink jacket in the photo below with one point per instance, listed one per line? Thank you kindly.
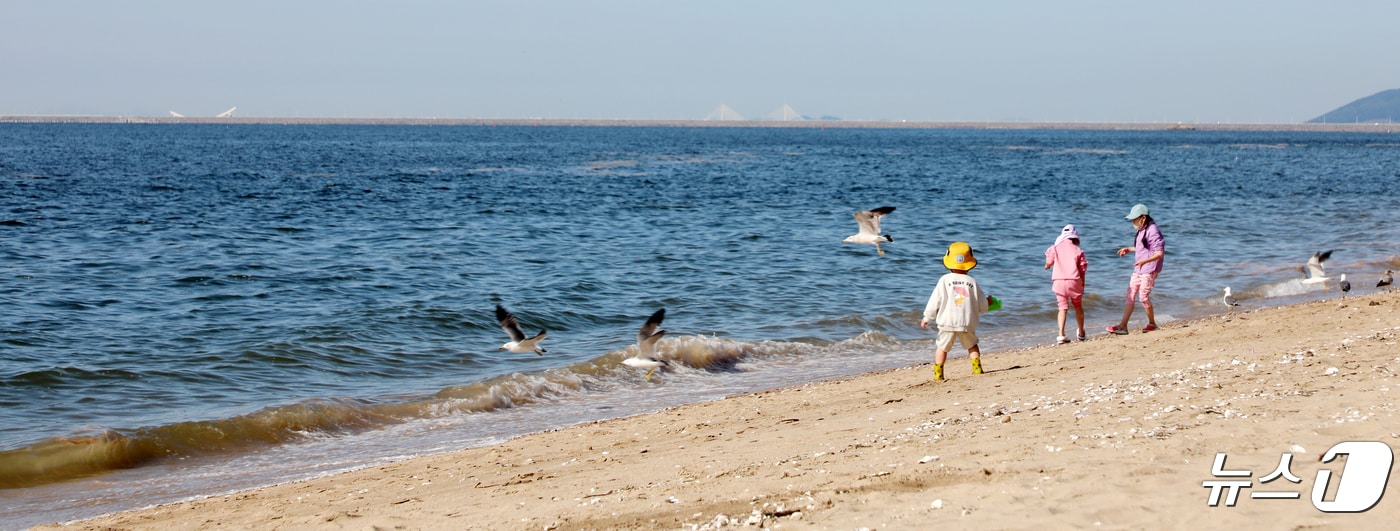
(1067, 279)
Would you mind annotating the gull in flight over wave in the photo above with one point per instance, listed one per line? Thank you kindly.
(869, 221)
(646, 345)
(1314, 271)
(518, 342)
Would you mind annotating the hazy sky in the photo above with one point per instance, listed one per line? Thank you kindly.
(1181, 60)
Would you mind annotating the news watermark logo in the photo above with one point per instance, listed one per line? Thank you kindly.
(1359, 487)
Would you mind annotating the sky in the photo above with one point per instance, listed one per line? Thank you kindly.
(1275, 61)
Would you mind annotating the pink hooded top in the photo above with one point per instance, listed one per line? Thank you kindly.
(1066, 257)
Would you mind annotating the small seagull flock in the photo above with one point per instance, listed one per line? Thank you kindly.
(645, 358)
(648, 335)
(1315, 273)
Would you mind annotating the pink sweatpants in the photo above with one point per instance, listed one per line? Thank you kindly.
(1068, 291)
(1140, 287)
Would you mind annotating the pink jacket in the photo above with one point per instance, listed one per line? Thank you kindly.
(1068, 259)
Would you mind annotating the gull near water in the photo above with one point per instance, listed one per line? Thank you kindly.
(869, 221)
(1314, 271)
(518, 342)
(1229, 300)
(646, 345)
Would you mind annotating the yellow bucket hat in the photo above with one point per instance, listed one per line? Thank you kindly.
(959, 257)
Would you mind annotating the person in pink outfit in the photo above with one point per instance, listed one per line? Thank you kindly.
(1067, 278)
(1147, 264)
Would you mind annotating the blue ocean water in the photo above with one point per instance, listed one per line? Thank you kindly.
(191, 309)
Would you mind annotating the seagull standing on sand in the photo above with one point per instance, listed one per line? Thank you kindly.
(518, 342)
(1315, 273)
(1342, 283)
(1385, 280)
(869, 221)
(1229, 300)
(646, 345)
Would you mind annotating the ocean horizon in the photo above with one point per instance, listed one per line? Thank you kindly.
(806, 123)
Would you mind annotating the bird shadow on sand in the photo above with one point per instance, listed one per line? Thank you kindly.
(994, 371)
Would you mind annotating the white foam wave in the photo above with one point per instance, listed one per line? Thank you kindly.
(1287, 288)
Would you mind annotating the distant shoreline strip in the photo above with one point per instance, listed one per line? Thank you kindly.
(807, 124)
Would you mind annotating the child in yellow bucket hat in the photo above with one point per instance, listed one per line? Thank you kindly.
(955, 305)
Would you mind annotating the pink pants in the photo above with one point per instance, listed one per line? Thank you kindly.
(1140, 287)
(1068, 291)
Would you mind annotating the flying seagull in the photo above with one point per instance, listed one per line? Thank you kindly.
(1385, 280)
(1315, 273)
(646, 345)
(1342, 283)
(1229, 300)
(869, 221)
(518, 343)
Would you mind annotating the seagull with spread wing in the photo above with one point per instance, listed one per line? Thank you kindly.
(869, 221)
(518, 342)
(646, 345)
(1314, 271)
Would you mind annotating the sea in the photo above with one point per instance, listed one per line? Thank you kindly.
(190, 310)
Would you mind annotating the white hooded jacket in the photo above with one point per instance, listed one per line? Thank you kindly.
(956, 303)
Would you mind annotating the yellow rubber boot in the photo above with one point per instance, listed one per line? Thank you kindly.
(976, 365)
(938, 372)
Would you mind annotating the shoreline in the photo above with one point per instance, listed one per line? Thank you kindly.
(1116, 431)
(1184, 127)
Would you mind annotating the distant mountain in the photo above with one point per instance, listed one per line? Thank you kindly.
(1383, 107)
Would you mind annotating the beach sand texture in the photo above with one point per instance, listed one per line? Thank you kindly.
(1115, 432)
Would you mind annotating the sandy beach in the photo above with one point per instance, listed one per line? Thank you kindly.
(1114, 432)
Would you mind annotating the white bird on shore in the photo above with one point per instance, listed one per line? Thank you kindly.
(1342, 283)
(646, 345)
(869, 221)
(1314, 271)
(1229, 300)
(1385, 280)
(518, 342)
